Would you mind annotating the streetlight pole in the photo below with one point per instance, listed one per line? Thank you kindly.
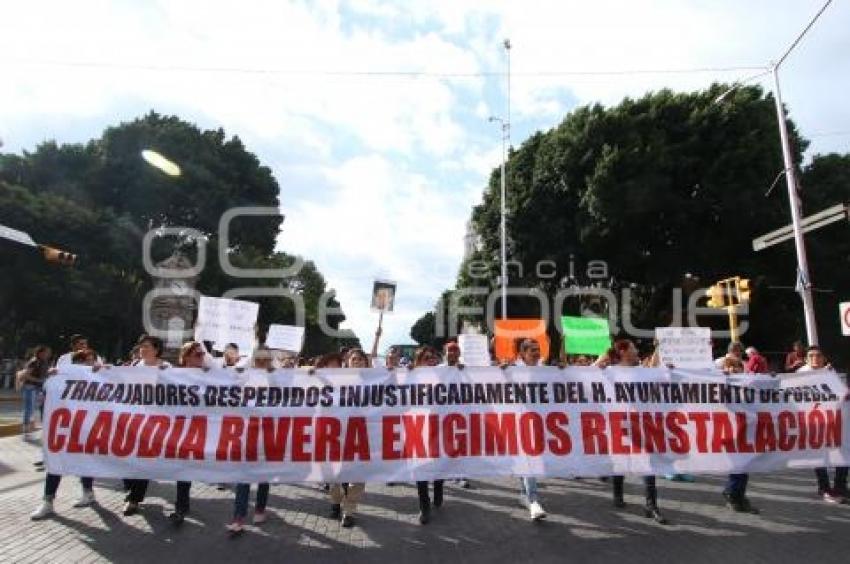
(805, 282)
(506, 133)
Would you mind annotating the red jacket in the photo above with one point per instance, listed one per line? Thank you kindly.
(756, 364)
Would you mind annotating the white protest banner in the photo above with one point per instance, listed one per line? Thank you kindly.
(223, 321)
(374, 425)
(474, 350)
(285, 337)
(685, 347)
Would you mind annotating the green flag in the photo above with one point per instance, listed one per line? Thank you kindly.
(586, 335)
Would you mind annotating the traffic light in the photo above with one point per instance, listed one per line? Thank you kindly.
(716, 296)
(742, 288)
(57, 256)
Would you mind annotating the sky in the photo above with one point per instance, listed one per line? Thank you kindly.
(373, 116)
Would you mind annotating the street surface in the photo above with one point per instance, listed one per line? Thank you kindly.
(482, 524)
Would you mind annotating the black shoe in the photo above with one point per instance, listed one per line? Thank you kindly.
(438, 498)
(336, 511)
(130, 508)
(347, 521)
(744, 506)
(177, 518)
(424, 514)
(651, 511)
(619, 502)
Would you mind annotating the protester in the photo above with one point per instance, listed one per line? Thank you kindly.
(529, 355)
(231, 355)
(262, 360)
(32, 378)
(451, 350)
(795, 359)
(344, 497)
(51, 483)
(756, 363)
(150, 356)
(427, 356)
(734, 350)
(735, 491)
(624, 353)
(838, 493)
(192, 355)
(78, 343)
(393, 358)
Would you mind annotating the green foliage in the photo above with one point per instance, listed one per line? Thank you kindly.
(661, 187)
(99, 199)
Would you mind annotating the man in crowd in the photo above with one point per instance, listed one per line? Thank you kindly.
(816, 360)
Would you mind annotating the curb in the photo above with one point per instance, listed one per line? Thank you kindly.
(10, 429)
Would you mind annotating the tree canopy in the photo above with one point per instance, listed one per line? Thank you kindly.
(98, 200)
(669, 191)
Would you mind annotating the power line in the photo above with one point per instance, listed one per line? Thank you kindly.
(802, 33)
(375, 73)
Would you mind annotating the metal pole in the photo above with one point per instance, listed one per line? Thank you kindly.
(794, 201)
(504, 232)
(506, 128)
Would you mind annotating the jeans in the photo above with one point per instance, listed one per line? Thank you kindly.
(181, 500)
(51, 484)
(424, 498)
(736, 486)
(31, 394)
(840, 479)
(243, 495)
(528, 488)
(137, 490)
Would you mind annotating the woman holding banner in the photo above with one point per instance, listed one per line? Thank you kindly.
(427, 356)
(344, 497)
(85, 357)
(624, 353)
(529, 355)
(262, 361)
(150, 356)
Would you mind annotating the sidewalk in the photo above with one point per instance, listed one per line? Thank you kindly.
(483, 524)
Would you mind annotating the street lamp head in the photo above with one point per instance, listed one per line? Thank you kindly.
(507, 43)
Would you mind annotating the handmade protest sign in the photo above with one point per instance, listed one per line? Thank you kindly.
(383, 295)
(430, 423)
(285, 337)
(508, 333)
(223, 320)
(586, 335)
(474, 350)
(684, 347)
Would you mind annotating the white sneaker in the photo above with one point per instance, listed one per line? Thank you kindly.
(44, 510)
(536, 511)
(86, 499)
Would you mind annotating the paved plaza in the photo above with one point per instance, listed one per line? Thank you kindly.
(481, 524)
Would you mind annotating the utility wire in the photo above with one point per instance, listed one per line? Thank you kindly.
(374, 73)
(802, 33)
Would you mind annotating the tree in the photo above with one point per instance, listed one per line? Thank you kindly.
(665, 189)
(100, 198)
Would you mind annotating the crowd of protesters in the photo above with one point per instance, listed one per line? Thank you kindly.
(344, 497)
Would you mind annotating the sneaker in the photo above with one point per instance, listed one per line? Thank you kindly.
(259, 517)
(536, 511)
(831, 497)
(177, 518)
(44, 510)
(130, 508)
(652, 511)
(619, 502)
(86, 499)
(744, 506)
(347, 521)
(336, 511)
(38, 463)
(236, 527)
(463, 483)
